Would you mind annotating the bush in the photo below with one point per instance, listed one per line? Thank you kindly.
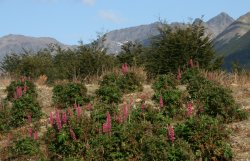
(113, 86)
(5, 116)
(165, 87)
(66, 95)
(21, 108)
(11, 89)
(216, 100)
(206, 136)
(25, 147)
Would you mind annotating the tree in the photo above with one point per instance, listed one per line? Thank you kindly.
(131, 53)
(175, 46)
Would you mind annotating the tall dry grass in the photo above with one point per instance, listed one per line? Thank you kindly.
(226, 79)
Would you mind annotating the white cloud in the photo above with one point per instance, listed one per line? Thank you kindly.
(89, 2)
(110, 16)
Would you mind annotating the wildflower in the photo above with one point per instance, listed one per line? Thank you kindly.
(25, 88)
(64, 118)
(179, 74)
(161, 101)
(189, 109)
(106, 127)
(51, 119)
(30, 132)
(19, 92)
(191, 63)
(36, 135)
(29, 118)
(171, 136)
(78, 111)
(125, 112)
(58, 121)
(72, 134)
(125, 68)
(89, 107)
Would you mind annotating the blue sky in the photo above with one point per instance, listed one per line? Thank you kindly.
(72, 20)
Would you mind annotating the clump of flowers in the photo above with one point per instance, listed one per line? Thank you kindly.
(58, 121)
(125, 68)
(171, 135)
(106, 127)
(189, 109)
(161, 101)
(72, 134)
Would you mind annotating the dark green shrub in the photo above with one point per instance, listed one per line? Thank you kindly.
(21, 108)
(173, 98)
(109, 94)
(113, 86)
(65, 95)
(25, 146)
(215, 99)
(11, 89)
(129, 83)
(5, 116)
(206, 136)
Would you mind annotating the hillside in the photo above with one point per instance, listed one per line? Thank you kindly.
(18, 43)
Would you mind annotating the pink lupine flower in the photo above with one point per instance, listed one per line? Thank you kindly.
(189, 109)
(36, 135)
(125, 68)
(69, 112)
(119, 118)
(29, 118)
(191, 63)
(72, 134)
(30, 132)
(19, 92)
(78, 111)
(64, 118)
(125, 112)
(179, 74)
(106, 127)
(89, 107)
(58, 121)
(161, 101)
(24, 88)
(171, 135)
(51, 119)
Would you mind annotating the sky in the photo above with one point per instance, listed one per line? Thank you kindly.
(71, 21)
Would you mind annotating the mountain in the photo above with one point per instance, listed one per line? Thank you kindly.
(237, 29)
(219, 23)
(115, 39)
(18, 43)
(234, 42)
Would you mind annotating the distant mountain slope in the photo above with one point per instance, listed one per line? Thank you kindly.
(115, 39)
(237, 29)
(16, 43)
(219, 23)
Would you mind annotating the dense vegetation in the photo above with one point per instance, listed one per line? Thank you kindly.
(185, 121)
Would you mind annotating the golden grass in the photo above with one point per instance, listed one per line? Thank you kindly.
(229, 79)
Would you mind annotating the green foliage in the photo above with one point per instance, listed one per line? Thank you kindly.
(131, 54)
(66, 94)
(21, 108)
(25, 146)
(129, 83)
(5, 115)
(173, 48)
(206, 137)
(165, 86)
(11, 89)
(216, 100)
(113, 86)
